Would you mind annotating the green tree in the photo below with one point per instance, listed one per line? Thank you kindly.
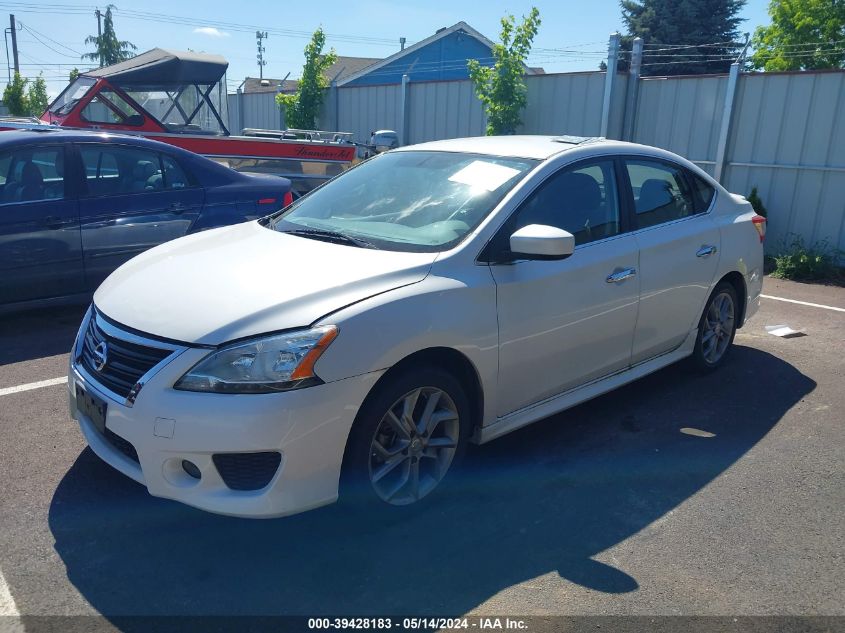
(108, 49)
(686, 37)
(37, 97)
(803, 35)
(14, 96)
(301, 109)
(74, 73)
(501, 87)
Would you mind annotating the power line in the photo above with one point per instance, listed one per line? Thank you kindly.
(47, 37)
(677, 46)
(43, 43)
(63, 9)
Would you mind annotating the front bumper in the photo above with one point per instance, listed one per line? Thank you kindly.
(309, 427)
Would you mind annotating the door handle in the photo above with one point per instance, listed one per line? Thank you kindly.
(706, 251)
(177, 207)
(621, 275)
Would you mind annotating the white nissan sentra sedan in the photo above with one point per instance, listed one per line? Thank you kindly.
(436, 295)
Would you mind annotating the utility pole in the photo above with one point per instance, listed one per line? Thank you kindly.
(14, 42)
(259, 36)
(99, 34)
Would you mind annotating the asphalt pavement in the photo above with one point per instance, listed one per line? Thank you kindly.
(680, 494)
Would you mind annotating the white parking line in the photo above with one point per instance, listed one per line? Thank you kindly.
(33, 385)
(7, 603)
(804, 303)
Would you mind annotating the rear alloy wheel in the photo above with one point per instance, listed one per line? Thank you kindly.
(717, 327)
(408, 436)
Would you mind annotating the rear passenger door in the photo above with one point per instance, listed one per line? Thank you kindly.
(134, 199)
(40, 249)
(679, 252)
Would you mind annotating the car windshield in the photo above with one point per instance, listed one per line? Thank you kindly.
(407, 201)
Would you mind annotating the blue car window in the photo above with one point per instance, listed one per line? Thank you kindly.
(118, 170)
(174, 175)
(32, 174)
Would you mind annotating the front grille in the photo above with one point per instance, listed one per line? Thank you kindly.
(125, 363)
(122, 445)
(247, 471)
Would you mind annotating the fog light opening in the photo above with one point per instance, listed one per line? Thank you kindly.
(191, 468)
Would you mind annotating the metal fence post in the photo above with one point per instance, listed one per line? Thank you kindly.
(241, 125)
(724, 130)
(336, 105)
(612, 55)
(405, 107)
(633, 90)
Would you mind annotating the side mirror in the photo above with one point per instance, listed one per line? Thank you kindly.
(539, 241)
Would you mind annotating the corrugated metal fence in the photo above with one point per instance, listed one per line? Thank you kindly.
(787, 132)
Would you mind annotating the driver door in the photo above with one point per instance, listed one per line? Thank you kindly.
(567, 322)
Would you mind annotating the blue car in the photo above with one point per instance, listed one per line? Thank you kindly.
(76, 205)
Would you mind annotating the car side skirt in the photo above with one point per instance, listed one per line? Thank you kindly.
(573, 397)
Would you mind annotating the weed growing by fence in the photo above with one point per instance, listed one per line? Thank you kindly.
(799, 262)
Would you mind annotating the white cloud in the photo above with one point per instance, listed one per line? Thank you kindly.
(211, 31)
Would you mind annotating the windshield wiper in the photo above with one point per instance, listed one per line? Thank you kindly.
(331, 236)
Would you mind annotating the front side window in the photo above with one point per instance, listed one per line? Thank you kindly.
(582, 200)
(407, 201)
(32, 174)
(116, 170)
(661, 192)
(109, 107)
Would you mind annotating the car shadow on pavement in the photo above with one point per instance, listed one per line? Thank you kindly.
(545, 499)
(38, 333)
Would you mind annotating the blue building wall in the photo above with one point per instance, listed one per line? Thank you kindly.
(443, 59)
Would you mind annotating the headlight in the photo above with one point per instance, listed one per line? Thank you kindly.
(276, 363)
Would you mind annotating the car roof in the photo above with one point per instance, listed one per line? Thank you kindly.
(517, 146)
(48, 134)
(543, 147)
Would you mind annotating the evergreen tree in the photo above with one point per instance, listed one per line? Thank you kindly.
(707, 30)
(108, 49)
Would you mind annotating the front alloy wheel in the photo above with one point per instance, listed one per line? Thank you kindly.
(410, 433)
(414, 445)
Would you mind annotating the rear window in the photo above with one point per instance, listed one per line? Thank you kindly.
(703, 192)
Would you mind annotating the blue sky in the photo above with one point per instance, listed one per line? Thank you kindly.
(53, 34)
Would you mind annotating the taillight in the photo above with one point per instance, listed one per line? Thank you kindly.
(267, 201)
(760, 224)
(287, 200)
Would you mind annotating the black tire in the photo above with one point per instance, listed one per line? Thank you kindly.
(703, 356)
(357, 491)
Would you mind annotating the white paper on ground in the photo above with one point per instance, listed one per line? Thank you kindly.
(783, 331)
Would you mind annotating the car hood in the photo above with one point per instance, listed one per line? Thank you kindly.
(245, 280)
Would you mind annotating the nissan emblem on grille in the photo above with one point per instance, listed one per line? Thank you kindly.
(101, 355)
